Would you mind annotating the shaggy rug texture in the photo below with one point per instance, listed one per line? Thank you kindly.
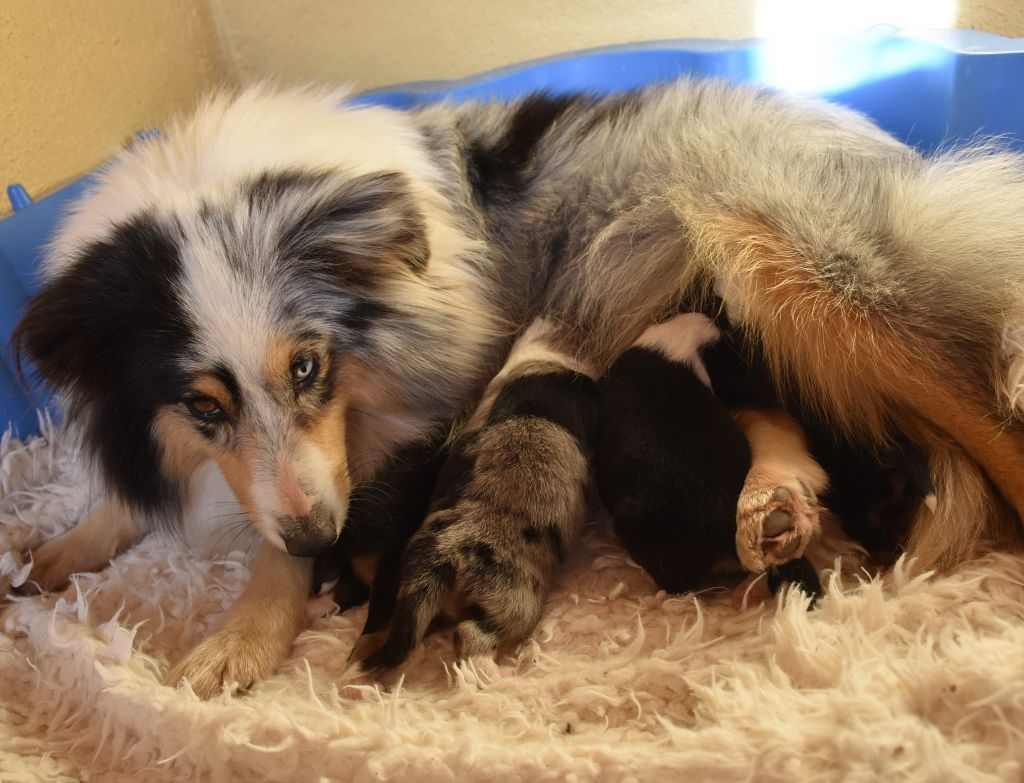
(900, 678)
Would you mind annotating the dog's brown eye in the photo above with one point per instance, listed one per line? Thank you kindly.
(204, 408)
(303, 370)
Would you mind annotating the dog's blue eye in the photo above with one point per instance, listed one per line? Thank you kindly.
(303, 369)
(204, 408)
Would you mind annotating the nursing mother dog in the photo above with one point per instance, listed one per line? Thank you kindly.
(295, 290)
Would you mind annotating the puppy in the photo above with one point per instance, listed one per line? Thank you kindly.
(364, 563)
(294, 290)
(499, 523)
(673, 468)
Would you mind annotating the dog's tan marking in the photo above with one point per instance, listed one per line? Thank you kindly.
(856, 367)
(182, 450)
(258, 630)
(280, 354)
(237, 470)
(327, 433)
(783, 483)
(105, 531)
(365, 567)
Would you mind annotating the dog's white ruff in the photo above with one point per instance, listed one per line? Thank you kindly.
(905, 678)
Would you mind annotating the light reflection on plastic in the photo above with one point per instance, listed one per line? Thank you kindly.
(805, 52)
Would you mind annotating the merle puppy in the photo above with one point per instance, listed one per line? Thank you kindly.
(500, 521)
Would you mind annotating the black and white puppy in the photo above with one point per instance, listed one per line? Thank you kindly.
(672, 467)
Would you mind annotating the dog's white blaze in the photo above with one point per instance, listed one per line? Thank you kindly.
(680, 339)
(233, 314)
(534, 345)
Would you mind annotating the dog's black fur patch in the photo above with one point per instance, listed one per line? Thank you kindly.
(558, 397)
(111, 332)
(499, 169)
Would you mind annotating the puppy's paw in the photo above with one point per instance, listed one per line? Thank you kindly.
(776, 518)
(233, 658)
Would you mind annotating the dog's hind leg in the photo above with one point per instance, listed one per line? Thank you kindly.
(107, 530)
(870, 354)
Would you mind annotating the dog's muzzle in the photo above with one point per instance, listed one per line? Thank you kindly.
(310, 535)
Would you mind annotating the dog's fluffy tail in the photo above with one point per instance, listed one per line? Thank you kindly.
(962, 216)
(964, 515)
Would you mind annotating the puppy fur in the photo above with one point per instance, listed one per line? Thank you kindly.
(294, 289)
(671, 461)
(677, 471)
(501, 520)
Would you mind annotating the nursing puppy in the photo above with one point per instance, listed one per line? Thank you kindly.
(501, 520)
(674, 468)
(295, 290)
(382, 516)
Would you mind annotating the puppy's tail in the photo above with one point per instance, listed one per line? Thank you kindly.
(416, 608)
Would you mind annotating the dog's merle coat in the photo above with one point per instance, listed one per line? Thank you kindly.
(296, 290)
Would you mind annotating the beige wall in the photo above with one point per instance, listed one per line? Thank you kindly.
(375, 42)
(77, 77)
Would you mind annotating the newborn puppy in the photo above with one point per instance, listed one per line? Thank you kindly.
(480, 560)
(671, 462)
(382, 517)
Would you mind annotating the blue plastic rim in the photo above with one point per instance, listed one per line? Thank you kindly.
(928, 91)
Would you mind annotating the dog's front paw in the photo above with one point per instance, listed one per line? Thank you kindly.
(233, 658)
(14, 571)
(53, 563)
(775, 520)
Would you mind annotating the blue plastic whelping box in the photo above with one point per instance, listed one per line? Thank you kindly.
(929, 91)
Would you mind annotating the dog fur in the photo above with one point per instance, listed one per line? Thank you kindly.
(399, 254)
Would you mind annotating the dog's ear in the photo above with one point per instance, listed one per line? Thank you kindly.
(363, 221)
(107, 332)
(110, 316)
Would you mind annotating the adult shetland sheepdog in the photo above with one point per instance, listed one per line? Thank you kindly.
(294, 290)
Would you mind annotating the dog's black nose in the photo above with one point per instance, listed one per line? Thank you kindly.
(310, 535)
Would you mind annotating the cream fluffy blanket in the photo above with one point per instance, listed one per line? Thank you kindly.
(893, 679)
